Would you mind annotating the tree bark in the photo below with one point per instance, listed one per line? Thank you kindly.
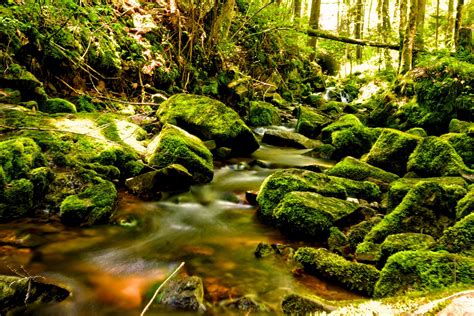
(402, 26)
(314, 22)
(348, 40)
(449, 24)
(358, 24)
(420, 24)
(437, 25)
(458, 22)
(406, 63)
(297, 9)
(465, 40)
(386, 30)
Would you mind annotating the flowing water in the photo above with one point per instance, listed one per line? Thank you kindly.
(110, 269)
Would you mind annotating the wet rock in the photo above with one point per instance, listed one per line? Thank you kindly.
(248, 304)
(354, 169)
(454, 186)
(251, 197)
(223, 152)
(16, 292)
(355, 276)
(263, 114)
(176, 146)
(391, 150)
(288, 139)
(405, 241)
(186, 293)
(295, 304)
(423, 270)
(9, 96)
(460, 237)
(94, 205)
(208, 119)
(265, 250)
(173, 178)
(310, 123)
(435, 157)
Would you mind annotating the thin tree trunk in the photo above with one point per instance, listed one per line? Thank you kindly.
(449, 25)
(420, 24)
(348, 40)
(402, 27)
(458, 23)
(409, 39)
(387, 29)
(358, 28)
(297, 9)
(437, 25)
(314, 24)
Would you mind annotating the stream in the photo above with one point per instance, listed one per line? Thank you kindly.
(114, 269)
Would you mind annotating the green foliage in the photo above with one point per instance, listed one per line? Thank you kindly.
(355, 276)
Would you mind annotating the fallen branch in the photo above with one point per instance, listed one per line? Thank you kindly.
(159, 288)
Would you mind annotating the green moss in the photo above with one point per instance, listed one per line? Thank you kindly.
(454, 187)
(176, 146)
(435, 157)
(208, 119)
(41, 179)
(263, 114)
(127, 161)
(18, 156)
(368, 252)
(310, 122)
(406, 241)
(109, 128)
(465, 205)
(359, 189)
(355, 276)
(458, 126)
(17, 77)
(59, 105)
(463, 144)
(337, 241)
(106, 172)
(92, 206)
(460, 237)
(344, 122)
(357, 233)
(417, 131)
(354, 169)
(84, 104)
(294, 304)
(276, 186)
(423, 270)
(17, 199)
(423, 210)
(353, 141)
(310, 215)
(391, 151)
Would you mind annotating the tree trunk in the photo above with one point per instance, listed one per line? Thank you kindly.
(297, 9)
(406, 63)
(449, 24)
(437, 25)
(458, 23)
(222, 21)
(314, 22)
(386, 30)
(465, 40)
(358, 24)
(402, 27)
(420, 24)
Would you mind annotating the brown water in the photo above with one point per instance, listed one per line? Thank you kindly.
(110, 269)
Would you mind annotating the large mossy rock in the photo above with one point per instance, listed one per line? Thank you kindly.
(263, 114)
(455, 188)
(94, 205)
(352, 168)
(355, 276)
(405, 241)
(58, 105)
(436, 157)
(208, 119)
(458, 126)
(356, 233)
(460, 237)
(277, 185)
(463, 143)
(310, 215)
(465, 205)
(423, 270)
(310, 123)
(184, 293)
(18, 78)
(176, 146)
(392, 150)
(17, 293)
(283, 138)
(425, 209)
(344, 122)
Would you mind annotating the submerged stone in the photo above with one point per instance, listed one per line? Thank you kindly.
(355, 276)
(391, 151)
(423, 270)
(185, 293)
(248, 304)
(176, 146)
(208, 119)
(263, 114)
(310, 215)
(288, 139)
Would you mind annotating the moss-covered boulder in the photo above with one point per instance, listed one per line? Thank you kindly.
(172, 178)
(405, 241)
(16, 200)
(435, 157)
(310, 215)
(368, 252)
(458, 126)
(463, 143)
(124, 159)
(18, 78)
(263, 114)
(18, 156)
(94, 205)
(19, 292)
(355, 276)
(310, 123)
(284, 138)
(423, 210)
(417, 131)
(357, 233)
(460, 237)
(352, 168)
(58, 105)
(423, 270)
(455, 188)
(183, 293)
(208, 119)
(176, 146)
(392, 150)
(41, 178)
(344, 122)
(337, 241)
(465, 205)
(365, 190)
(294, 304)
